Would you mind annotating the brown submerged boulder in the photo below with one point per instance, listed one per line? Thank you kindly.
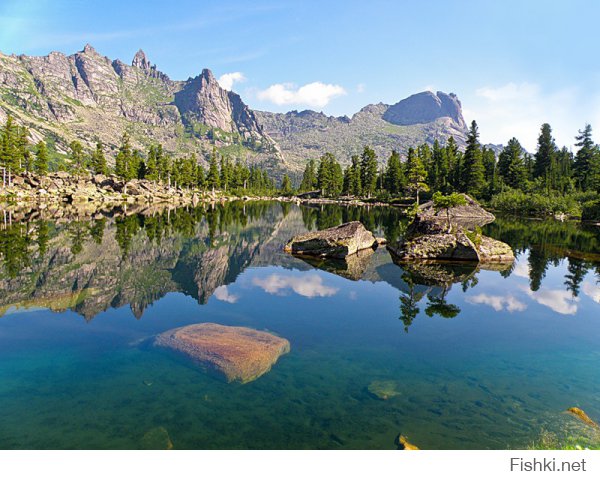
(335, 242)
(238, 353)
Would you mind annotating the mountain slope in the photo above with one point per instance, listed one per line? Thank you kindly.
(89, 97)
(423, 117)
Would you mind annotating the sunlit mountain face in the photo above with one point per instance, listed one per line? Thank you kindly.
(466, 357)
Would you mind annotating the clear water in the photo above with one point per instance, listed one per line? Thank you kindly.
(483, 359)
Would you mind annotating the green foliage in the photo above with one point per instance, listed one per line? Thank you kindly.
(40, 165)
(590, 211)
(535, 204)
(368, 171)
(473, 170)
(330, 178)
(309, 178)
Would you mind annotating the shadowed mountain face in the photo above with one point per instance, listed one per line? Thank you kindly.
(426, 107)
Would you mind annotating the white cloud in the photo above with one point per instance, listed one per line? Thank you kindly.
(592, 291)
(223, 294)
(522, 269)
(316, 94)
(519, 110)
(561, 301)
(360, 88)
(310, 285)
(497, 302)
(228, 79)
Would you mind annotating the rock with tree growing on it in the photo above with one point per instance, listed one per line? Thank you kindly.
(449, 228)
(336, 242)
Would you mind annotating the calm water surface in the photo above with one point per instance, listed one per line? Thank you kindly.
(473, 358)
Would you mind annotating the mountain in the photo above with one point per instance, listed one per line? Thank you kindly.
(423, 117)
(89, 97)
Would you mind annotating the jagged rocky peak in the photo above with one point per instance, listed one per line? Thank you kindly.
(89, 49)
(426, 107)
(140, 60)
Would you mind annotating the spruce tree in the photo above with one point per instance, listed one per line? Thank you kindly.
(511, 165)
(309, 179)
(368, 171)
(473, 172)
(544, 157)
(415, 174)
(587, 160)
(77, 157)
(394, 176)
(41, 159)
(98, 161)
(212, 178)
(286, 185)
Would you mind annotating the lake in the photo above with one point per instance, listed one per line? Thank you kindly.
(452, 357)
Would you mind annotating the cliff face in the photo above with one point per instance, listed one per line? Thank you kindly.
(87, 96)
(426, 107)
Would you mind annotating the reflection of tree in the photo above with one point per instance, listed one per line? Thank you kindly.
(538, 263)
(97, 230)
(14, 247)
(438, 305)
(577, 271)
(42, 237)
(409, 303)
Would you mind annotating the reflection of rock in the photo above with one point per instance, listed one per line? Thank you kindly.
(157, 439)
(438, 273)
(335, 242)
(239, 353)
(383, 389)
(352, 267)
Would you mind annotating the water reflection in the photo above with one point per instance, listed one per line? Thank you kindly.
(134, 259)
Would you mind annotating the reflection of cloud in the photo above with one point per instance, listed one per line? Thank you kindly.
(560, 301)
(352, 295)
(592, 291)
(498, 302)
(308, 285)
(222, 293)
(522, 269)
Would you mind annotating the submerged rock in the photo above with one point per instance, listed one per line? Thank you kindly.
(581, 415)
(383, 389)
(238, 353)
(404, 444)
(335, 242)
(157, 439)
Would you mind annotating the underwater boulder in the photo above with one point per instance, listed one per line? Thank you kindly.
(237, 353)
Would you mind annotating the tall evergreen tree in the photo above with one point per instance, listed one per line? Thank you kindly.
(77, 157)
(587, 160)
(368, 171)
(415, 174)
(309, 178)
(213, 178)
(545, 155)
(98, 160)
(41, 158)
(473, 171)
(511, 165)
(394, 175)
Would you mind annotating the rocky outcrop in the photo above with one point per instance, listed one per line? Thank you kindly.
(453, 235)
(335, 242)
(426, 107)
(238, 353)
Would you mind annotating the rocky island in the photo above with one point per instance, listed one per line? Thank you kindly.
(454, 235)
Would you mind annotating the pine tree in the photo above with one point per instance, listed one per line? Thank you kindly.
(368, 171)
(511, 165)
(41, 159)
(286, 185)
(309, 179)
(151, 164)
(8, 151)
(454, 159)
(415, 174)
(587, 160)
(439, 172)
(77, 157)
(473, 171)
(213, 179)
(544, 157)
(394, 176)
(98, 161)
(123, 159)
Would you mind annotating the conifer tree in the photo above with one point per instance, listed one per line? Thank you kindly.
(394, 176)
(41, 159)
(415, 174)
(77, 157)
(368, 171)
(473, 172)
(309, 178)
(213, 178)
(544, 157)
(98, 161)
(587, 160)
(511, 165)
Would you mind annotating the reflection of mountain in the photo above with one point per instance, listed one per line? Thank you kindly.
(135, 260)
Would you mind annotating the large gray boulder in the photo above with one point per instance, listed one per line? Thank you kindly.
(335, 242)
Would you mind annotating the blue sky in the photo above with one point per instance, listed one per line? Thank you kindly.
(513, 64)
